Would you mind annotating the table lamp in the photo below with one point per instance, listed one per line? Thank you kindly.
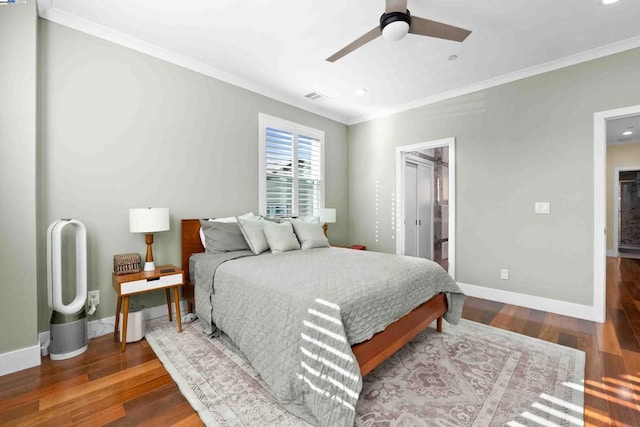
(326, 216)
(149, 221)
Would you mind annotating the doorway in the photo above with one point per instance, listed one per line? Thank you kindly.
(601, 122)
(418, 205)
(626, 237)
(425, 210)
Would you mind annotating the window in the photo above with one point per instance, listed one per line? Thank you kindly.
(291, 168)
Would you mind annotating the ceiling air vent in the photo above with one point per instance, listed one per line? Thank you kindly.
(316, 96)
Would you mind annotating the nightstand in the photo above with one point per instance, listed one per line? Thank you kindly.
(165, 277)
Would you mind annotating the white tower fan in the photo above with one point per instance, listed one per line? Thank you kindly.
(68, 326)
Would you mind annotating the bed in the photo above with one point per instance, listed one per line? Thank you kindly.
(244, 271)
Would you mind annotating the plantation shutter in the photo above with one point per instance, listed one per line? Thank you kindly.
(309, 175)
(292, 169)
(279, 157)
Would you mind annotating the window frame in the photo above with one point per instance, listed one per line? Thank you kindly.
(265, 121)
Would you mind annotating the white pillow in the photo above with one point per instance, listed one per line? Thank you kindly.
(225, 219)
(251, 229)
(280, 237)
(310, 234)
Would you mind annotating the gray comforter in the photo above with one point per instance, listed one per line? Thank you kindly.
(296, 314)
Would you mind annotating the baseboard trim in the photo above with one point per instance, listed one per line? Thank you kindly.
(580, 311)
(104, 326)
(17, 360)
(612, 253)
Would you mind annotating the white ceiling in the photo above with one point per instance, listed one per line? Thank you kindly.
(616, 127)
(278, 47)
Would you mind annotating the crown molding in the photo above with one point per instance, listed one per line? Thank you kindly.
(568, 61)
(50, 13)
(47, 11)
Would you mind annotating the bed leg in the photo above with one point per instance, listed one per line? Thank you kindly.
(439, 324)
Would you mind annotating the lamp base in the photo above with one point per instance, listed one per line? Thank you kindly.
(149, 266)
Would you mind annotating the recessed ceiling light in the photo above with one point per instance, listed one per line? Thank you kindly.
(360, 92)
(627, 133)
(452, 57)
(606, 2)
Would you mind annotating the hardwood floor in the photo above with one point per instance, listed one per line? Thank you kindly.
(105, 387)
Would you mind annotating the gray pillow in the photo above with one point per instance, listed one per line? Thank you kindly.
(223, 237)
(251, 229)
(310, 234)
(280, 237)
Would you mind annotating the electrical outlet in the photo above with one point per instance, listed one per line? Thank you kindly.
(504, 274)
(94, 297)
(542, 208)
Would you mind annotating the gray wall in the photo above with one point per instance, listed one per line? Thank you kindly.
(18, 308)
(527, 141)
(120, 129)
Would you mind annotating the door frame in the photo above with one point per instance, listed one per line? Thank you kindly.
(600, 205)
(431, 165)
(400, 154)
(616, 204)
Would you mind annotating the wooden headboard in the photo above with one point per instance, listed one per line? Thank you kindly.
(191, 243)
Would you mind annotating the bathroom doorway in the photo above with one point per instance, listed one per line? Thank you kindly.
(629, 213)
(426, 201)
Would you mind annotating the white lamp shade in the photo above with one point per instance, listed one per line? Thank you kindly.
(148, 220)
(326, 215)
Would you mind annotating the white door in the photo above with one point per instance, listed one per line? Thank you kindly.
(411, 209)
(418, 209)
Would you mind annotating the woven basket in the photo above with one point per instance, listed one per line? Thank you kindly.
(127, 263)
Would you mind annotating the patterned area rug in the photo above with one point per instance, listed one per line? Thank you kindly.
(470, 375)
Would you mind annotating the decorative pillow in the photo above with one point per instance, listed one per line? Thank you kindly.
(280, 237)
(309, 234)
(222, 237)
(251, 229)
(225, 219)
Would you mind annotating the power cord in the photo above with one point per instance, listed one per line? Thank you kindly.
(103, 325)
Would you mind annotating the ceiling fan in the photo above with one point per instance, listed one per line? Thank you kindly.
(396, 22)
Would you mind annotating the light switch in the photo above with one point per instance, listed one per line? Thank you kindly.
(542, 208)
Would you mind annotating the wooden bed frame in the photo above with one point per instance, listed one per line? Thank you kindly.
(370, 353)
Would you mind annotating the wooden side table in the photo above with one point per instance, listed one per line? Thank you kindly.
(165, 277)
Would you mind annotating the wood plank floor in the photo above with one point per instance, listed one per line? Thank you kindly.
(105, 387)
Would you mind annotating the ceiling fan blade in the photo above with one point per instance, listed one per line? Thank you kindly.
(427, 27)
(371, 35)
(395, 6)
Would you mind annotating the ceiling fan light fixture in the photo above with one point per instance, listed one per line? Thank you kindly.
(395, 25)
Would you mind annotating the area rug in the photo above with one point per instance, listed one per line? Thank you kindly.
(470, 375)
